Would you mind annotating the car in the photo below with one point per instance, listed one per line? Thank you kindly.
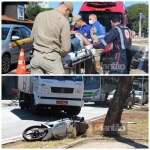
(129, 102)
(111, 95)
(14, 37)
(138, 96)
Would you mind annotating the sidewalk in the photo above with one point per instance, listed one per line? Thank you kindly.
(97, 144)
(135, 137)
(6, 103)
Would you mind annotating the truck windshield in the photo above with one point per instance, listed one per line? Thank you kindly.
(91, 83)
(73, 78)
(5, 31)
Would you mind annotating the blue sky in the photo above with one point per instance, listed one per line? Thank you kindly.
(77, 4)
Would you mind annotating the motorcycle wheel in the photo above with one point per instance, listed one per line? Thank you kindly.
(35, 133)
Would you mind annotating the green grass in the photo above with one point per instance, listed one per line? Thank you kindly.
(40, 144)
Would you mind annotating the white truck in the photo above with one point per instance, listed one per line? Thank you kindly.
(51, 92)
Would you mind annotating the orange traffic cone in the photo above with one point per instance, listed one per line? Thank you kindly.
(21, 68)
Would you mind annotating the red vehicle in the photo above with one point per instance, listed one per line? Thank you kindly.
(104, 12)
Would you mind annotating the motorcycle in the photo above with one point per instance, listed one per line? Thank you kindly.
(56, 130)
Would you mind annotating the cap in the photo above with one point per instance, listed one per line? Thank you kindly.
(76, 18)
(68, 4)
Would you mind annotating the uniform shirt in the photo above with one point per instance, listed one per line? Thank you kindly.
(117, 42)
(119, 36)
(85, 31)
(99, 29)
(51, 32)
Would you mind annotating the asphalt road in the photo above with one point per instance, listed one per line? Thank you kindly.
(15, 120)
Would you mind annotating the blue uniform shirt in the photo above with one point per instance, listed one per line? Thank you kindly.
(85, 31)
(100, 29)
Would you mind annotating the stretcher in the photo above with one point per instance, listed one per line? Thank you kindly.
(80, 61)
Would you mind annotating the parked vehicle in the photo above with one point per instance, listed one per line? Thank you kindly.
(14, 37)
(138, 95)
(111, 95)
(51, 92)
(135, 96)
(92, 90)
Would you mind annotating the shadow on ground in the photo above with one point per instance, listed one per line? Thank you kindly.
(42, 116)
(130, 142)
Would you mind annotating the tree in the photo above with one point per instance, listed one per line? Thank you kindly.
(33, 9)
(133, 17)
(109, 83)
(113, 117)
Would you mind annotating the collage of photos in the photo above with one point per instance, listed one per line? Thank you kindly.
(74, 74)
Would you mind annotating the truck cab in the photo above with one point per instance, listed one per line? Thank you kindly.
(52, 92)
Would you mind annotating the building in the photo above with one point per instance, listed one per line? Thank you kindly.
(14, 12)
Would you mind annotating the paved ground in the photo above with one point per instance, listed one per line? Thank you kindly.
(14, 120)
(111, 144)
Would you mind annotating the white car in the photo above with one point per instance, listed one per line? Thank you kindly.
(138, 95)
(111, 95)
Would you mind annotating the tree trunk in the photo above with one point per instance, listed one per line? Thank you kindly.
(113, 117)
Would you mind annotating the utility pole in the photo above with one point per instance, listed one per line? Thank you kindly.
(142, 90)
(100, 77)
(140, 24)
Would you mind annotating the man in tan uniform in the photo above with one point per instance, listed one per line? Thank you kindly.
(51, 40)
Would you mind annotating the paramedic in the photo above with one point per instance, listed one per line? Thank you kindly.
(117, 42)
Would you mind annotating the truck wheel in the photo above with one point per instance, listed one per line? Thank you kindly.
(73, 111)
(23, 101)
(34, 109)
(22, 106)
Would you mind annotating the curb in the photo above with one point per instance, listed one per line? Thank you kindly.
(5, 103)
(11, 140)
(80, 141)
(71, 145)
